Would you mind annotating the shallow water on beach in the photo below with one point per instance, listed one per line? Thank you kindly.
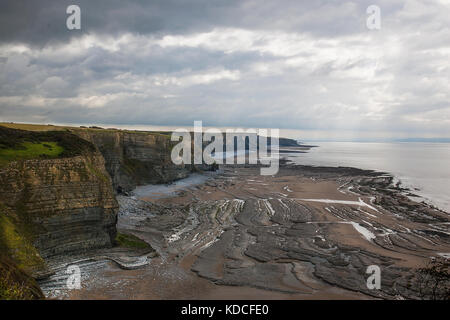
(423, 166)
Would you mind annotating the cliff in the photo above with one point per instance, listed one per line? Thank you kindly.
(55, 197)
(135, 158)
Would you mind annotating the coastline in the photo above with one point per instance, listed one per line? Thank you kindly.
(421, 167)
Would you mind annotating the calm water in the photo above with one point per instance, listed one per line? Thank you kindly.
(425, 166)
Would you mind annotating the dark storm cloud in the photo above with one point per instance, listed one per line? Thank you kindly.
(44, 21)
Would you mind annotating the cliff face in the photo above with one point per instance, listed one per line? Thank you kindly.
(135, 158)
(50, 207)
(68, 204)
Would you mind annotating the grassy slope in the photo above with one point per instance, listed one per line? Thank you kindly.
(31, 150)
(17, 257)
(24, 145)
(15, 242)
(16, 284)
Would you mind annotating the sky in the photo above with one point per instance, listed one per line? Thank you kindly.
(311, 68)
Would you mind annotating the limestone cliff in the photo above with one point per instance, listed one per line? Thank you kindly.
(52, 204)
(135, 158)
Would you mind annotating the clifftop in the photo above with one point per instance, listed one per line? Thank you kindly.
(18, 144)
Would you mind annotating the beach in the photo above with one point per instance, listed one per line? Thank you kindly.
(306, 233)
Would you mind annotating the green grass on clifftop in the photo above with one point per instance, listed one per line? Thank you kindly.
(31, 150)
(24, 145)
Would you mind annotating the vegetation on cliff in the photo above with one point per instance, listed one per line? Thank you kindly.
(16, 242)
(17, 257)
(16, 284)
(31, 150)
(18, 144)
(130, 241)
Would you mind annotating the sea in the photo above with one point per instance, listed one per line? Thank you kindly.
(422, 167)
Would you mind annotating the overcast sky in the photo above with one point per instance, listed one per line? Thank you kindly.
(309, 65)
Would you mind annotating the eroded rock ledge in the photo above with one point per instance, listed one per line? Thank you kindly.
(308, 232)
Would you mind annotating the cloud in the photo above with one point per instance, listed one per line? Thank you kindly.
(307, 65)
(41, 22)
